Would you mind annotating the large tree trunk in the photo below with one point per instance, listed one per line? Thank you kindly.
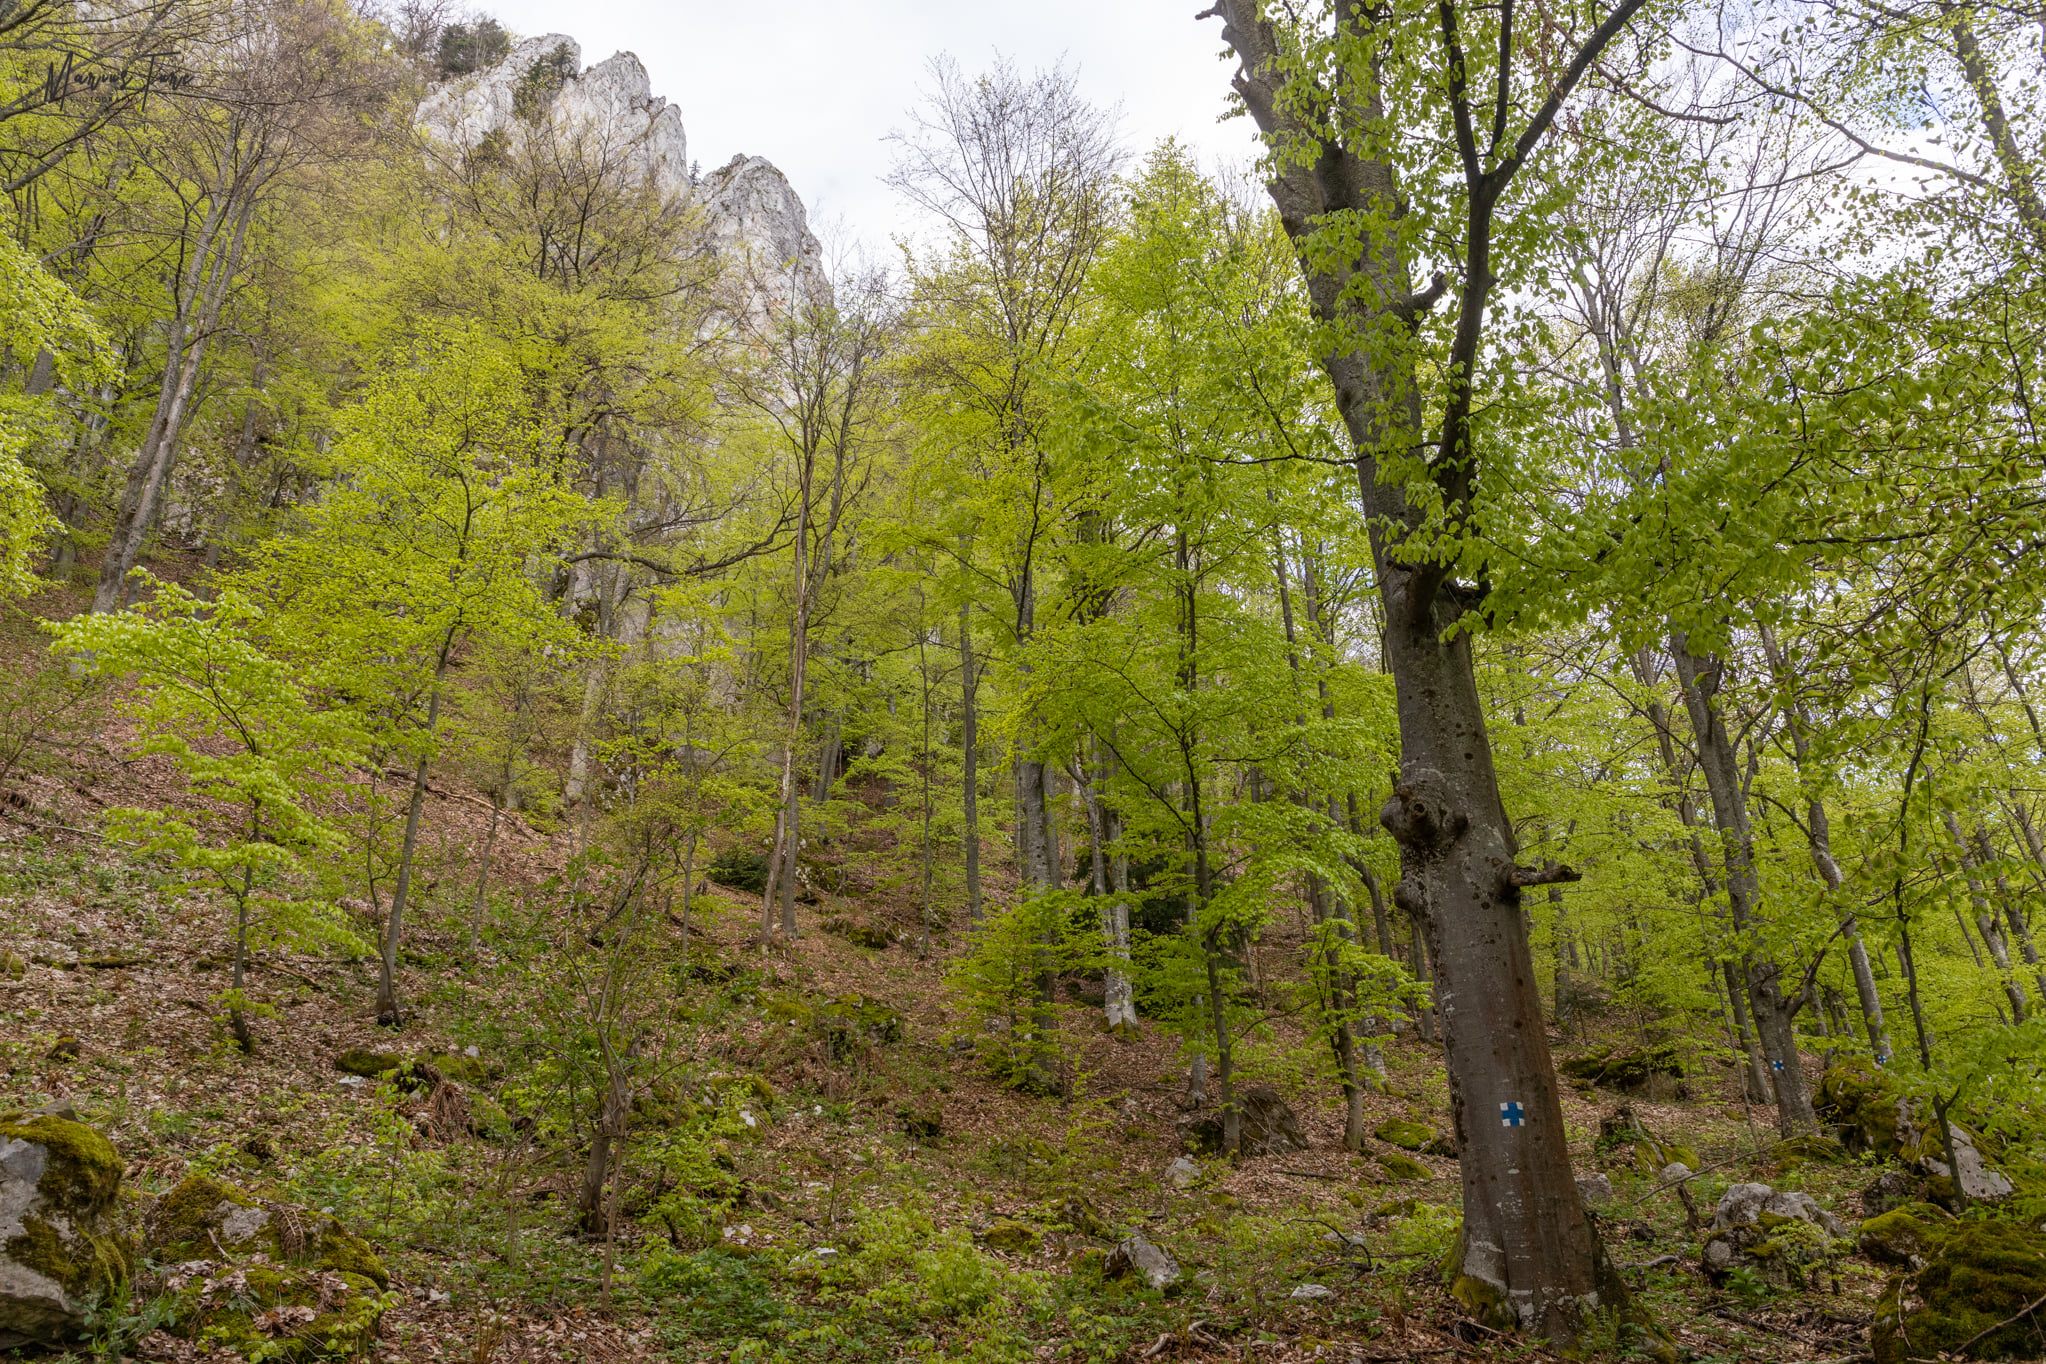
(1774, 1011)
(1529, 1256)
(1527, 1246)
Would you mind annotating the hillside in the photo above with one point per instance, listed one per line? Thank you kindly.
(1420, 744)
(818, 1163)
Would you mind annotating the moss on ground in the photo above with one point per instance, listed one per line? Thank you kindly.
(1970, 1299)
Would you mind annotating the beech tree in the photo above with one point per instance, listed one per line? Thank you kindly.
(1341, 95)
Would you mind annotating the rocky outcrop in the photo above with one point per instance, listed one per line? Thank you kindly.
(761, 230)
(1268, 1125)
(1139, 1258)
(752, 218)
(59, 1251)
(1870, 1113)
(1775, 1232)
(541, 84)
(1977, 1297)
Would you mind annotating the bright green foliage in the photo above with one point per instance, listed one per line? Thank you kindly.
(445, 487)
(257, 755)
(41, 321)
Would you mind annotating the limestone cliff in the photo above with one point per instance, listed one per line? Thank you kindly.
(753, 218)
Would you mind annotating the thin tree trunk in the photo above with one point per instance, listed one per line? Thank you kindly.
(1774, 1011)
(388, 1011)
(201, 298)
(1985, 918)
(1818, 832)
(969, 763)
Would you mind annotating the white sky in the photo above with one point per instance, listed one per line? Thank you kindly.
(815, 86)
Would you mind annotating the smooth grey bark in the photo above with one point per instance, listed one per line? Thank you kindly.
(1108, 882)
(1755, 1070)
(1774, 1010)
(1985, 917)
(1528, 1252)
(2030, 833)
(199, 297)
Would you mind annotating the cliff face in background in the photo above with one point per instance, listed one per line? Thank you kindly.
(753, 218)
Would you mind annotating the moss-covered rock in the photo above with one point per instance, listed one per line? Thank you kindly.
(273, 1313)
(924, 1122)
(1012, 1237)
(368, 1063)
(1409, 1135)
(850, 1024)
(267, 1279)
(1970, 1299)
(1398, 1165)
(204, 1218)
(859, 932)
(1628, 1070)
(1870, 1112)
(1904, 1235)
(1863, 1105)
(1622, 1136)
(59, 1251)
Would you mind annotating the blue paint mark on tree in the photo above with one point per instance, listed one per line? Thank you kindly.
(1511, 1114)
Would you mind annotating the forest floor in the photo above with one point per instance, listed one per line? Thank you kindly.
(960, 1219)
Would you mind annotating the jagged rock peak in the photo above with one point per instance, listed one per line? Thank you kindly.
(542, 78)
(752, 215)
(753, 210)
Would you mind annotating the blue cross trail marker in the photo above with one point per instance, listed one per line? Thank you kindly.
(1512, 1115)
(1775, 1065)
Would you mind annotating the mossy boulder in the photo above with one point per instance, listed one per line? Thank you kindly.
(1970, 1300)
(368, 1062)
(289, 1315)
(59, 1250)
(1409, 1135)
(204, 1218)
(1399, 1165)
(1870, 1113)
(853, 1023)
(267, 1279)
(1012, 1237)
(740, 869)
(1629, 1070)
(1864, 1107)
(859, 932)
(924, 1122)
(1904, 1235)
(1622, 1136)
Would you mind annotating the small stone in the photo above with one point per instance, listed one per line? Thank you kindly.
(1310, 1291)
(1138, 1256)
(1183, 1173)
(1595, 1189)
(1676, 1172)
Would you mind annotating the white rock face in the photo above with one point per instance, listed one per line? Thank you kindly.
(760, 226)
(752, 216)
